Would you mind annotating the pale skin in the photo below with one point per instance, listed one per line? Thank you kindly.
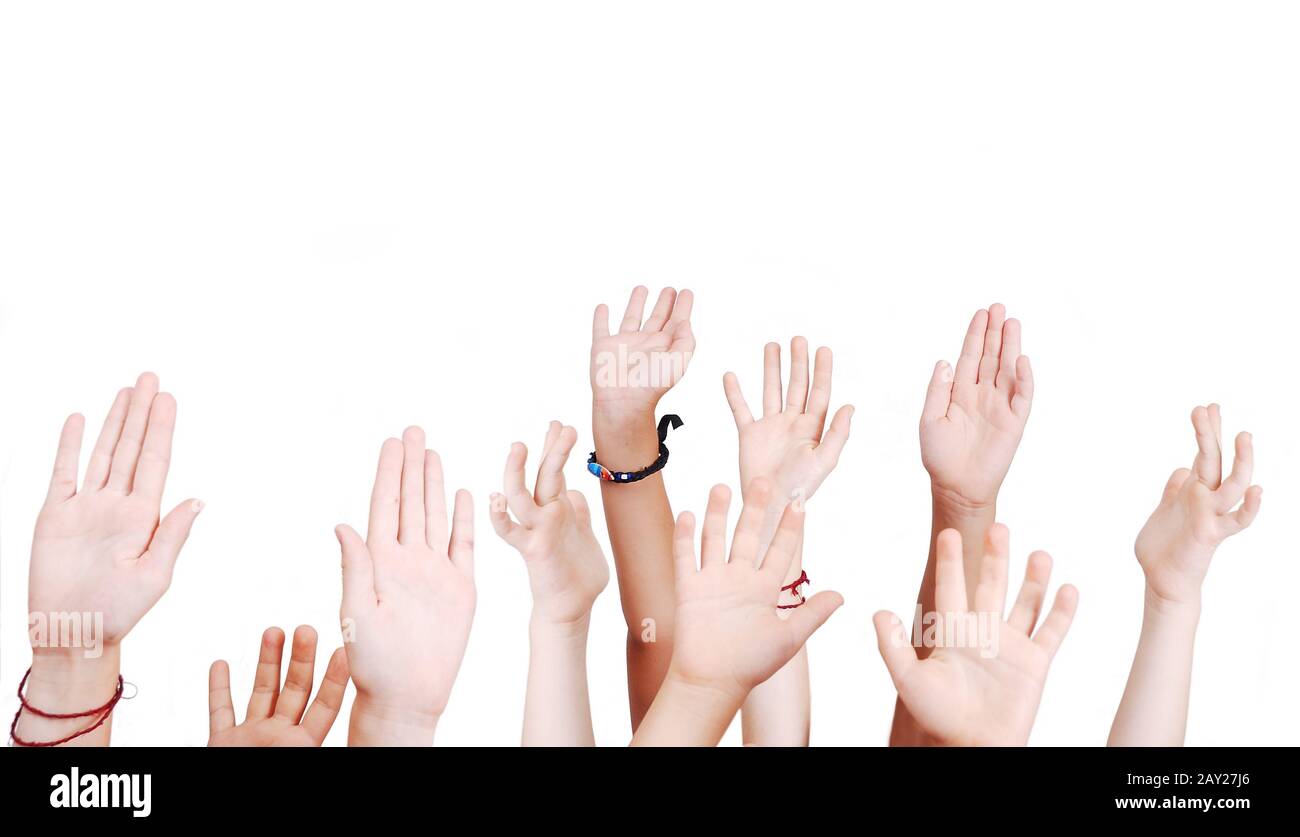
(279, 717)
(960, 695)
(1197, 512)
(791, 448)
(101, 549)
(551, 529)
(408, 598)
(729, 637)
(640, 521)
(971, 424)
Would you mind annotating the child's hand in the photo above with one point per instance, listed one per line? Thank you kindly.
(983, 690)
(786, 446)
(566, 568)
(1196, 513)
(102, 549)
(408, 596)
(631, 370)
(276, 717)
(728, 637)
(973, 419)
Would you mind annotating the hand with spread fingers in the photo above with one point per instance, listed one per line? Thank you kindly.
(729, 637)
(279, 717)
(633, 368)
(974, 417)
(551, 529)
(408, 597)
(100, 551)
(1198, 511)
(984, 677)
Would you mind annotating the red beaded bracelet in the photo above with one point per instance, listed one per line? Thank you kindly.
(102, 711)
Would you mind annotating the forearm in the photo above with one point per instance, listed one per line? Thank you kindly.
(687, 715)
(557, 708)
(640, 523)
(374, 724)
(1153, 711)
(65, 681)
(972, 521)
(778, 712)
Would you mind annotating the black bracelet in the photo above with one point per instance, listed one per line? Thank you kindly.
(667, 422)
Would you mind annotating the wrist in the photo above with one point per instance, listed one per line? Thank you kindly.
(627, 439)
(707, 695)
(559, 627)
(1183, 610)
(376, 724)
(65, 680)
(955, 507)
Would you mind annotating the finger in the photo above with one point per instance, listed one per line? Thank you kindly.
(1243, 467)
(682, 307)
(745, 542)
(1057, 624)
(435, 503)
(1208, 464)
(971, 348)
(266, 682)
(550, 474)
(461, 550)
(127, 453)
(410, 521)
(101, 458)
(713, 540)
(1009, 355)
(836, 437)
(387, 494)
(581, 511)
(1175, 484)
(684, 563)
(516, 489)
(63, 482)
(812, 614)
(949, 574)
(938, 394)
(680, 347)
(1022, 396)
(991, 592)
(895, 650)
(1245, 515)
(1024, 614)
(785, 544)
(819, 397)
(988, 369)
(156, 454)
(635, 308)
(600, 322)
(221, 709)
(329, 698)
(499, 516)
(736, 400)
(663, 308)
(300, 677)
(170, 537)
(552, 431)
(796, 395)
(358, 571)
(771, 379)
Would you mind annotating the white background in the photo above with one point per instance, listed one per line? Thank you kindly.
(320, 222)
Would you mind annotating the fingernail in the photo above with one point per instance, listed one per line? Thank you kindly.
(796, 499)
(197, 506)
(945, 372)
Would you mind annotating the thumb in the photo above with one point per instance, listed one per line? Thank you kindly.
(806, 619)
(898, 653)
(171, 535)
(358, 572)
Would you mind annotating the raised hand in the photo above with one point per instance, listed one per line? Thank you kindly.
(102, 549)
(408, 597)
(786, 446)
(728, 635)
(1198, 511)
(566, 567)
(974, 417)
(278, 717)
(632, 369)
(982, 681)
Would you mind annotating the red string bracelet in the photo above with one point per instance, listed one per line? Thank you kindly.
(794, 588)
(102, 711)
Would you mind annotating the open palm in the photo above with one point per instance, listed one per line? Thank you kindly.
(632, 369)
